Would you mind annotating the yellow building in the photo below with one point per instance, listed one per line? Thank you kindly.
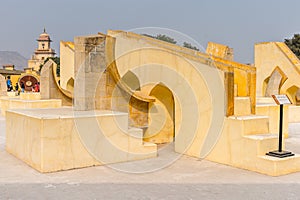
(9, 70)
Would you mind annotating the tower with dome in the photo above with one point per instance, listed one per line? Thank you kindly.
(42, 52)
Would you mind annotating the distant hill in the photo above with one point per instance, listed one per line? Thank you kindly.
(13, 57)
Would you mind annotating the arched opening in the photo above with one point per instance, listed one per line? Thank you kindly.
(70, 85)
(264, 86)
(273, 83)
(292, 93)
(161, 119)
(131, 80)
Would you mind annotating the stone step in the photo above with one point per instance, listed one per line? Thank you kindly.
(265, 100)
(251, 124)
(149, 144)
(145, 150)
(272, 111)
(264, 142)
(242, 106)
(136, 144)
(278, 166)
(136, 136)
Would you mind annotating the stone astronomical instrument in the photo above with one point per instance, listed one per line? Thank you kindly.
(29, 82)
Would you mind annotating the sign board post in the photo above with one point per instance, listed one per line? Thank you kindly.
(280, 100)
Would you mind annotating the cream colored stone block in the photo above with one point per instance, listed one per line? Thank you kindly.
(30, 95)
(135, 136)
(221, 152)
(265, 100)
(242, 106)
(23, 139)
(14, 103)
(294, 114)
(278, 166)
(242, 151)
(248, 152)
(272, 111)
(112, 123)
(59, 139)
(253, 124)
(264, 142)
(113, 149)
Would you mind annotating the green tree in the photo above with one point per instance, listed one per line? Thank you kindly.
(294, 44)
(166, 38)
(190, 46)
(171, 40)
(162, 37)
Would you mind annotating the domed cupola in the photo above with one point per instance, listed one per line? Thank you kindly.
(42, 52)
(44, 37)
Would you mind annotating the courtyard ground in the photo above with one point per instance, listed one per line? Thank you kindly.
(186, 178)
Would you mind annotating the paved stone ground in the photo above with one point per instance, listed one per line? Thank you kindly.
(187, 178)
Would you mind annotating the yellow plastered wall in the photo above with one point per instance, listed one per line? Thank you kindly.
(242, 73)
(244, 79)
(66, 64)
(14, 79)
(270, 55)
(219, 50)
(241, 80)
(153, 63)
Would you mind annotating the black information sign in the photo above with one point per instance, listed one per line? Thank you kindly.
(280, 100)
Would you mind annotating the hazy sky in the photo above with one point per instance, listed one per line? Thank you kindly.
(237, 23)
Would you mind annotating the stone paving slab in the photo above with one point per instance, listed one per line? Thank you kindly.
(151, 191)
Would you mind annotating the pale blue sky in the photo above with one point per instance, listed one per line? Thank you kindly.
(237, 23)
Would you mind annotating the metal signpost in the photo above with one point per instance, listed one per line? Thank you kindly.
(280, 100)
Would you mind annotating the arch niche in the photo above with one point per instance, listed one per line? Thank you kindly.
(274, 82)
(161, 122)
(70, 85)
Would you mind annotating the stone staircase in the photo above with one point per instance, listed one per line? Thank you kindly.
(260, 137)
(253, 129)
(247, 141)
(267, 106)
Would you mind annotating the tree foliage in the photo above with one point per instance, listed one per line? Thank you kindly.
(163, 38)
(190, 46)
(294, 44)
(166, 38)
(171, 40)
